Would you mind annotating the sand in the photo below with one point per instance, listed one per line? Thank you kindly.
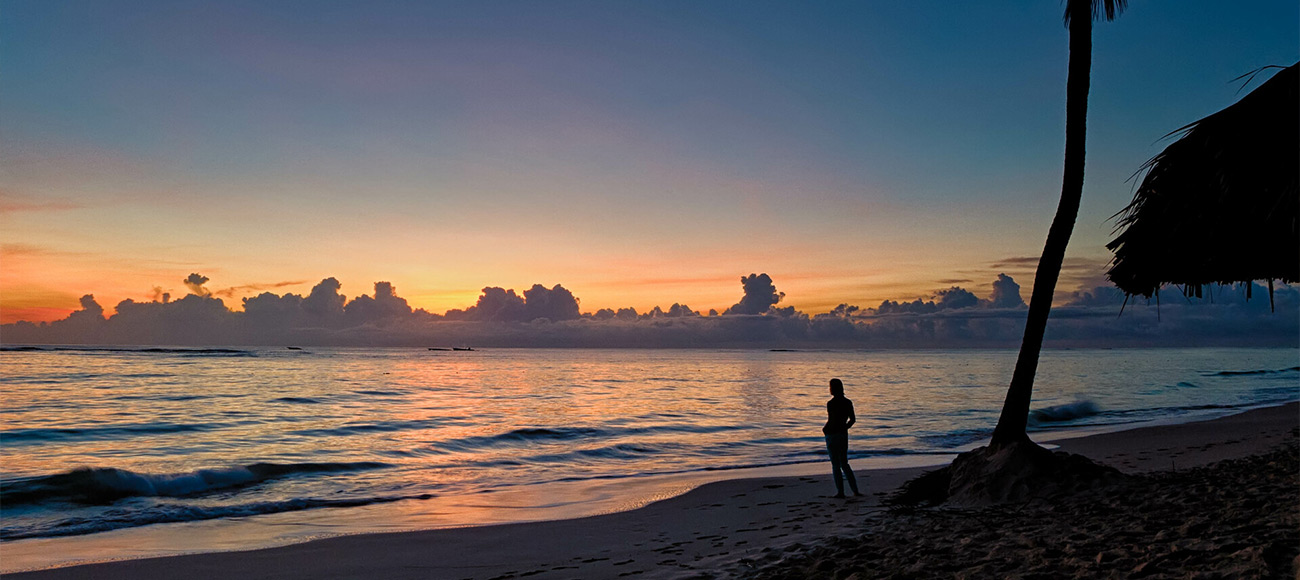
(1234, 518)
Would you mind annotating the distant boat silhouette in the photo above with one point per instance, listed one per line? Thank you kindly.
(294, 347)
(461, 348)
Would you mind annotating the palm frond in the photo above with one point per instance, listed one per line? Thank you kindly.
(1095, 8)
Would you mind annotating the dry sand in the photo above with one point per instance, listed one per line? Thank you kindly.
(1234, 519)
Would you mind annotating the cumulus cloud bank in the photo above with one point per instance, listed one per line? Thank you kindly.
(952, 317)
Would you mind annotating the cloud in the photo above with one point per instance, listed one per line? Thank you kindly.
(956, 298)
(1006, 293)
(680, 311)
(494, 304)
(11, 202)
(760, 295)
(324, 301)
(952, 318)
(231, 291)
(89, 307)
(385, 306)
(195, 284)
(538, 303)
(552, 304)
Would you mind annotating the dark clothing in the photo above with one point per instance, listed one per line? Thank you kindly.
(839, 415)
(837, 445)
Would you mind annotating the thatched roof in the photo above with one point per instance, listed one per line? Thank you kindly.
(1219, 205)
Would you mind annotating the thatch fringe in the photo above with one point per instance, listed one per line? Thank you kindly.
(1221, 204)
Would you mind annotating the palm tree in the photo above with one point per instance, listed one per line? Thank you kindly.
(1079, 15)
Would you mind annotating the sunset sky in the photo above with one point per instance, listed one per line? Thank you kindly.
(640, 154)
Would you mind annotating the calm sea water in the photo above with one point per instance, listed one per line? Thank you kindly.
(93, 440)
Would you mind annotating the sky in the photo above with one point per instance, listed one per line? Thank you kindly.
(639, 154)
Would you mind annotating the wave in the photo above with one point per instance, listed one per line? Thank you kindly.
(1254, 372)
(25, 436)
(1062, 413)
(172, 513)
(102, 485)
(233, 352)
(380, 427)
(547, 433)
(299, 400)
(618, 452)
(530, 435)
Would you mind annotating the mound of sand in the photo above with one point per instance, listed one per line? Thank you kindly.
(1234, 519)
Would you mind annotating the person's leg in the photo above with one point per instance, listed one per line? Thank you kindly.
(848, 472)
(837, 447)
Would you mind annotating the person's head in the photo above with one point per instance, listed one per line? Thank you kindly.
(837, 388)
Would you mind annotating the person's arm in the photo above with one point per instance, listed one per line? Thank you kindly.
(852, 418)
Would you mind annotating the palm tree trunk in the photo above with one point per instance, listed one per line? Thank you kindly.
(1015, 410)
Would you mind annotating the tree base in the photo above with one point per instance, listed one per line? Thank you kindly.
(1012, 472)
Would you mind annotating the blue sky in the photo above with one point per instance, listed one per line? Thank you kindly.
(639, 154)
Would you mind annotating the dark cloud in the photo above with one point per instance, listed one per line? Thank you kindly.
(956, 298)
(917, 306)
(552, 304)
(496, 304)
(1100, 296)
(1017, 262)
(324, 301)
(1006, 293)
(248, 288)
(680, 311)
(760, 295)
(384, 307)
(843, 311)
(195, 284)
(537, 304)
(953, 317)
(89, 307)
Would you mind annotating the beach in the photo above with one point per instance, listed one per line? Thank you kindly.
(1218, 495)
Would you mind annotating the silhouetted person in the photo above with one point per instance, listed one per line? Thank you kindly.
(839, 417)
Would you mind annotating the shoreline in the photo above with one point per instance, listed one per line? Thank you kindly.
(714, 526)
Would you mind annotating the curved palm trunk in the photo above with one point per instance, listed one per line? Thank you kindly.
(1015, 411)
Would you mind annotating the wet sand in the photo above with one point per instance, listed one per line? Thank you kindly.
(1232, 516)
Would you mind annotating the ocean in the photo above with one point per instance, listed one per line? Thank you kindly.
(96, 443)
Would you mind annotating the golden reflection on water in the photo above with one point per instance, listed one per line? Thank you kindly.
(524, 425)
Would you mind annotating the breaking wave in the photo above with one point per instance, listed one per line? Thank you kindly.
(170, 513)
(1062, 413)
(1254, 372)
(101, 485)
